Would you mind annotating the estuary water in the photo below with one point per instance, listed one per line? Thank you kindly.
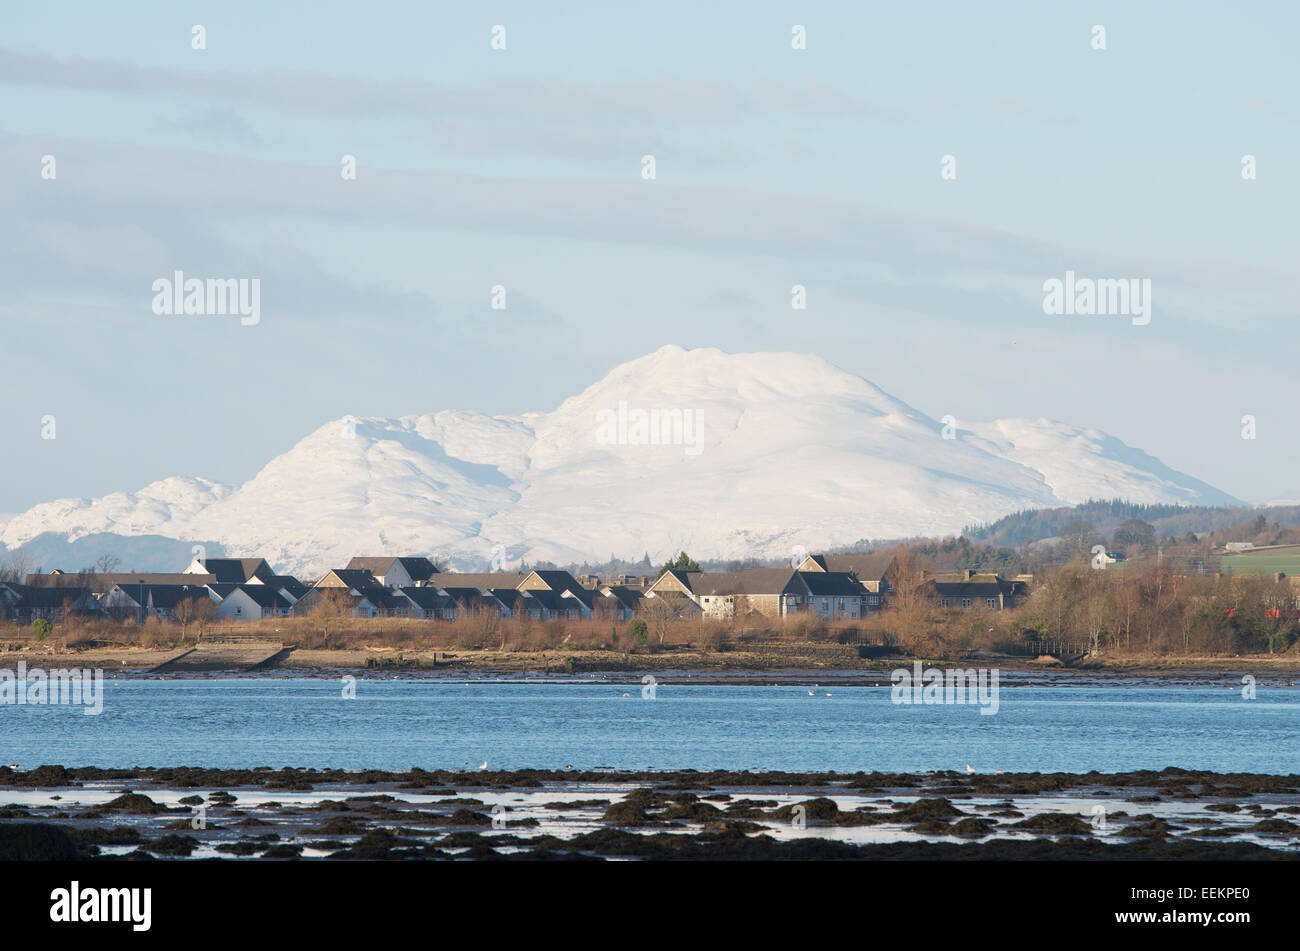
(449, 724)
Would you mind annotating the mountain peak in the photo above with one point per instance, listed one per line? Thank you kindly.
(726, 455)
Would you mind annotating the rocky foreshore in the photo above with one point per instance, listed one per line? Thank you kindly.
(53, 812)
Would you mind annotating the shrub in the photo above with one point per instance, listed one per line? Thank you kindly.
(41, 628)
(638, 631)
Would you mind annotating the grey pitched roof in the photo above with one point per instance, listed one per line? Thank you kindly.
(832, 583)
(292, 585)
(558, 580)
(472, 598)
(376, 565)
(358, 578)
(238, 570)
(978, 586)
(751, 581)
(418, 567)
(868, 566)
(462, 579)
(100, 583)
(429, 599)
(686, 578)
(51, 597)
(510, 597)
(630, 598)
(170, 595)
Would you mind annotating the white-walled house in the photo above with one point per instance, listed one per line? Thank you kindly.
(395, 572)
(249, 602)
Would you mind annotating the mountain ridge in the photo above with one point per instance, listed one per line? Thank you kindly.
(792, 451)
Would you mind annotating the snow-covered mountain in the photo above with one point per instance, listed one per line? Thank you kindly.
(761, 452)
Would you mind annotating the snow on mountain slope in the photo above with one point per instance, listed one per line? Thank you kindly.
(375, 486)
(165, 507)
(1082, 464)
(760, 452)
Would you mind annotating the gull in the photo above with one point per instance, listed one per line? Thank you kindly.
(811, 694)
(483, 766)
(828, 693)
(970, 768)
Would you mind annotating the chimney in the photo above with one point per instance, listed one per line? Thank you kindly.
(967, 573)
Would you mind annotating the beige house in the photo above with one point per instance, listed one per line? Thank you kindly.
(774, 592)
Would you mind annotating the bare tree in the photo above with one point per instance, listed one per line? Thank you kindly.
(106, 564)
(16, 568)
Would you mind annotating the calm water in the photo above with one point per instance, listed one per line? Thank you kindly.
(397, 724)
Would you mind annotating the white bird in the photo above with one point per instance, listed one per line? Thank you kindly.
(828, 693)
(970, 768)
(483, 765)
(811, 694)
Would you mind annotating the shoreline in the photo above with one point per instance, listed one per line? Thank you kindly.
(790, 666)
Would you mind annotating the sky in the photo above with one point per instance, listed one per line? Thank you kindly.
(523, 167)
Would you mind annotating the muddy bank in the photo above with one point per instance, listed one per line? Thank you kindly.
(795, 663)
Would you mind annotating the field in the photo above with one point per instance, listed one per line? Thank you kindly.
(1285, 559)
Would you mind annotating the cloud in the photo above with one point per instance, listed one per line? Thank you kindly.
(525, 116)
(223, 125)
(157, 194)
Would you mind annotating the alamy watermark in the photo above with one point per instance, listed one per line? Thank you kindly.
(61, 687)
(933, 685)
(626, 426)
(1102, 297)
(214, 297)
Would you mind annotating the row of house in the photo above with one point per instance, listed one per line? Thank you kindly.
(833, 587)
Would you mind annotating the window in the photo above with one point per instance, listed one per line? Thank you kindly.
(992, 602)
(965, 602)
(943, 602)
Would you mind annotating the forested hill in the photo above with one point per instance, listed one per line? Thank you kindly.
(1168, 520)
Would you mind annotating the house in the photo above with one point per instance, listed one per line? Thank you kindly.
(670, 595)
(249, 602)
(774, 592)
(557, 594)
(54, 604)
(974, 589)
(517, 603)
(475, 601)
(484, 581)
(872, 569)
(101, 583)
(368, 597)
(627, 600)
(834, 595)
(162, 601)
(11, 592)
(427, 602)
(395, 572)
(289, 587)
(552, 580)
